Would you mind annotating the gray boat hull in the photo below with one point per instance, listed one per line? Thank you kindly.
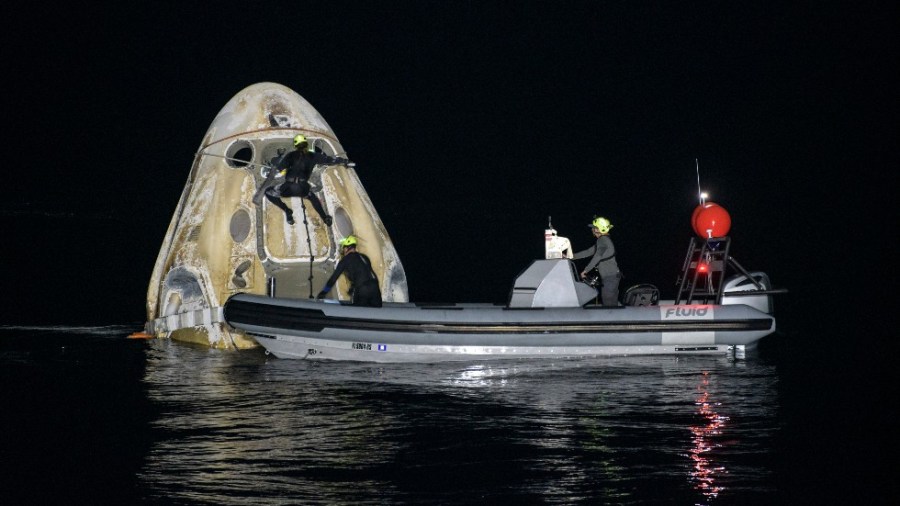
(405, 332)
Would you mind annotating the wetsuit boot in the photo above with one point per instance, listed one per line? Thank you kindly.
(317, 205)
(288, 213)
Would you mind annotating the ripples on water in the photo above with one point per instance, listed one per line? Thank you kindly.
(220, 427)
(624, 430)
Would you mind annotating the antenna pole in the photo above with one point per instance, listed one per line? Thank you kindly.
(699, 191)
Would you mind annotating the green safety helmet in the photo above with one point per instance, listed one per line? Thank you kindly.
(300, 141)
(601, 224)
(350, 240)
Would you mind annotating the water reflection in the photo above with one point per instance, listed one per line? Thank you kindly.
(238, 425)
(705, 471)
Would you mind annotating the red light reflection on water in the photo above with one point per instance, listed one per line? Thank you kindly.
(705, 471)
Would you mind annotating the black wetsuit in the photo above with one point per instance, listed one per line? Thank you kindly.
(299, 165)
(603, 258)
(364, 290)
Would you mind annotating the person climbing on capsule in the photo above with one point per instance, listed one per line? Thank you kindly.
(364, 290)
(603, 258)
(297, 167)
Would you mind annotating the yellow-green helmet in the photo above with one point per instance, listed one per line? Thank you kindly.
(300, 141)
(601, 224)
(350, 240)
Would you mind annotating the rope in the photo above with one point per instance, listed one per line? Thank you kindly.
(249, 164)
(308, 245)
(348, 164)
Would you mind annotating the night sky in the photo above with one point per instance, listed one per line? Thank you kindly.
(470, 123)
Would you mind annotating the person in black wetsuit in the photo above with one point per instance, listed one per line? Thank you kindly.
(297, 166)
(364, 290)
(603, 258)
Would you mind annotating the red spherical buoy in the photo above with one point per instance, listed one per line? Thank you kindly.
(696, 213)
(711, 221)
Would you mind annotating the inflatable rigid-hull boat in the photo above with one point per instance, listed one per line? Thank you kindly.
(557, 321)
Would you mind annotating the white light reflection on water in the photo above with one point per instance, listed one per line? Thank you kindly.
(237, 425)
(483, 375)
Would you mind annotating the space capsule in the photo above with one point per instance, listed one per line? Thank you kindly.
(224, 238)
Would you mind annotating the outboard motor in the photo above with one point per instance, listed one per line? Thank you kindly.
(741, 283)
(641, 295)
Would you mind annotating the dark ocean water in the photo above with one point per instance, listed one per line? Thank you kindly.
(91, 417)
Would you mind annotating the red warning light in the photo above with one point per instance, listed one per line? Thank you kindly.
(702, 267)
